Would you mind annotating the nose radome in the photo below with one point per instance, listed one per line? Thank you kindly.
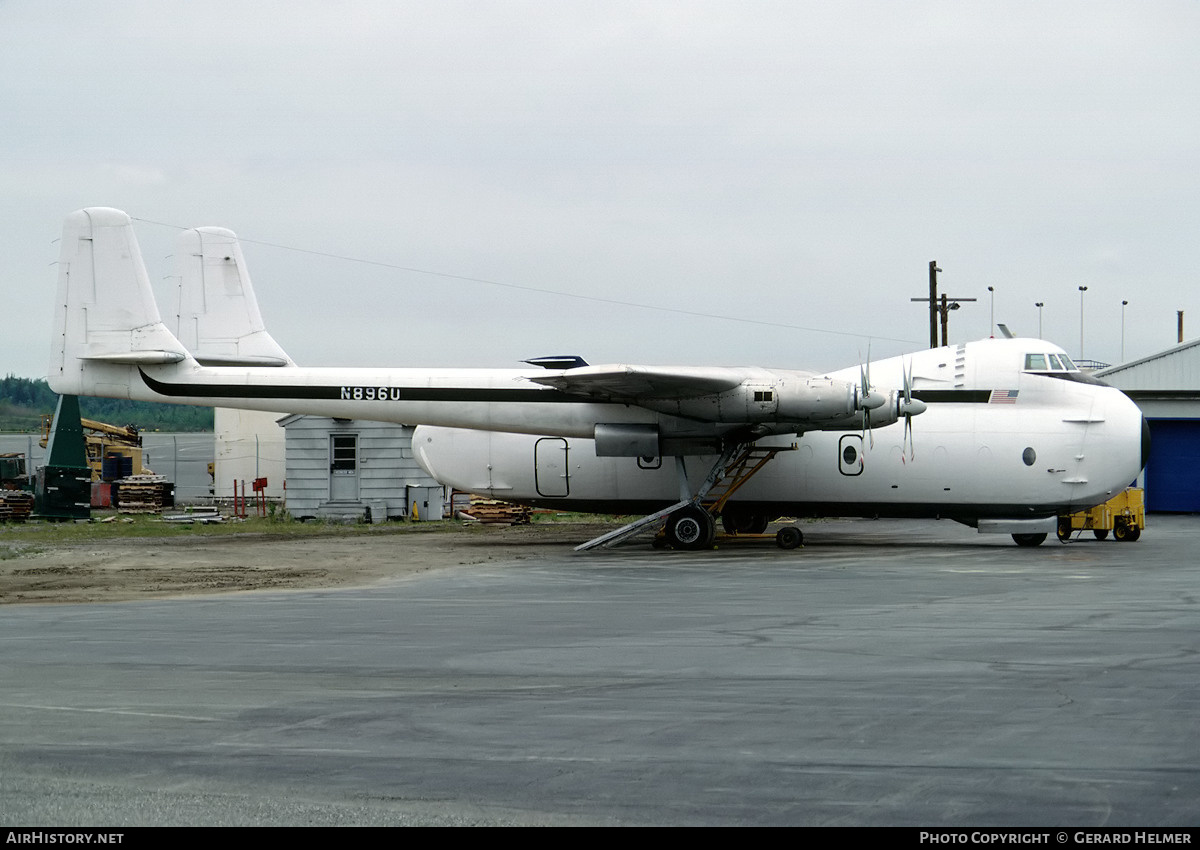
(1145, 443)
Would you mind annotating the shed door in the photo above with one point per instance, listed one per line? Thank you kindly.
(343, 467)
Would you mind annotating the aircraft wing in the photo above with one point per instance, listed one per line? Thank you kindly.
(635, 383)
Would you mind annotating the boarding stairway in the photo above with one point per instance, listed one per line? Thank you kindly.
(741, 470)
(724, 479)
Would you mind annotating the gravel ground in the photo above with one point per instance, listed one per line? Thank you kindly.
(119, 569)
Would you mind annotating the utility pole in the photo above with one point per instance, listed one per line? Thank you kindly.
(933, 273)
(939, 311)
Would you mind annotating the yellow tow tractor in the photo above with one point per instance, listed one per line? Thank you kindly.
(1124, 515)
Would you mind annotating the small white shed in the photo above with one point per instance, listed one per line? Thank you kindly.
(352, 469)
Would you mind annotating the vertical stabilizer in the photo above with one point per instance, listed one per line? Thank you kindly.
(105, 316)
(218, 319)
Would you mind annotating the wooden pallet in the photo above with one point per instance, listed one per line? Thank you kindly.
(15, 505)
(495, 512)
(141, 494)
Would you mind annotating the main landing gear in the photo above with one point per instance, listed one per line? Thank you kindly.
(693, 527)
(690, 527)
(691, 523)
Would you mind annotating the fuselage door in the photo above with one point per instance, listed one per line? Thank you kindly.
(850, 454)
(550, 467)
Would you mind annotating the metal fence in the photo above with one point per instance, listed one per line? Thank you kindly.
(182, 458)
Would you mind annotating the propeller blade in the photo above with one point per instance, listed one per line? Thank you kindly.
(908, 408)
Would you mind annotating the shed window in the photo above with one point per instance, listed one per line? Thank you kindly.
(345, 453)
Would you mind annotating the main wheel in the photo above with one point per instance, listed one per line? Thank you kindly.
(789, 537)
(1029, 539)
(737, 522)
(1101, 533)
(691, 528)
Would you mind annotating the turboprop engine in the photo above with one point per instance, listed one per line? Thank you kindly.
(786, 399)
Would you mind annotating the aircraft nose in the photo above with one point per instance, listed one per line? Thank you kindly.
(1145, 442)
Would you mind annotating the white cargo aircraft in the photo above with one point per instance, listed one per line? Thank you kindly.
(1010, 435)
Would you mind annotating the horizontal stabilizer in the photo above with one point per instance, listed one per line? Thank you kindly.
(138, 358)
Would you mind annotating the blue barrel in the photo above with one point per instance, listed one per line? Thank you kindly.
(110, 467)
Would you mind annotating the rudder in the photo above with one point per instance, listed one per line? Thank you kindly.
(218, 319)
(105, 317)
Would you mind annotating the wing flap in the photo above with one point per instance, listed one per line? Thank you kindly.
(630, 383)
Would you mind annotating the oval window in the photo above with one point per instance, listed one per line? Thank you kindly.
(1029, 456)
(849, 454)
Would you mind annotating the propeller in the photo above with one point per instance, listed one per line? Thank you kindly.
(908, 407)
(865, 386)
(868, 400)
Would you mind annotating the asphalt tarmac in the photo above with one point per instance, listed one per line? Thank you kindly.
(888, 673)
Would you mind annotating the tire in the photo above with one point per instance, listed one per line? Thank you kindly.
(1101, 533)
(1064, 528)
(691, 528)
(1126, 532)
(789, 537)
(1029, 539)
(736, 522)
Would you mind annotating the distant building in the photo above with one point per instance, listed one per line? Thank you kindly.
(1166, 386)
(248, 445)
(351, 469)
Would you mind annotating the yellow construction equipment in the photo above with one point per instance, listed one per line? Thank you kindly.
(113, 451)
(1124, 515)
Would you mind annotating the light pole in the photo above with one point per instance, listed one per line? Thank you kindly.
(992, 312)
(1039, 305)
(1124, 304)
(1082, 290)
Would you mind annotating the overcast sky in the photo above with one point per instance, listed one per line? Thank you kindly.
(774, 178)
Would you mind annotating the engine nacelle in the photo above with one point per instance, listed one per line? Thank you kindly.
(800, 400)
(882, 410)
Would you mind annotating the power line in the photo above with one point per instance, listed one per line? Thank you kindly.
(540, 291)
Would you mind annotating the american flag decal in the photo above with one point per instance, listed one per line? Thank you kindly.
(1003, 397)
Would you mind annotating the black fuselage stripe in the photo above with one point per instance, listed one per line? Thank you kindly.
(953, 396)
(379, 393)
(451, 394)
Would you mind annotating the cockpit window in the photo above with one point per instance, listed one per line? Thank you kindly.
(1049, 363)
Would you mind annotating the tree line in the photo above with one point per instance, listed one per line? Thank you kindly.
(23, 402)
